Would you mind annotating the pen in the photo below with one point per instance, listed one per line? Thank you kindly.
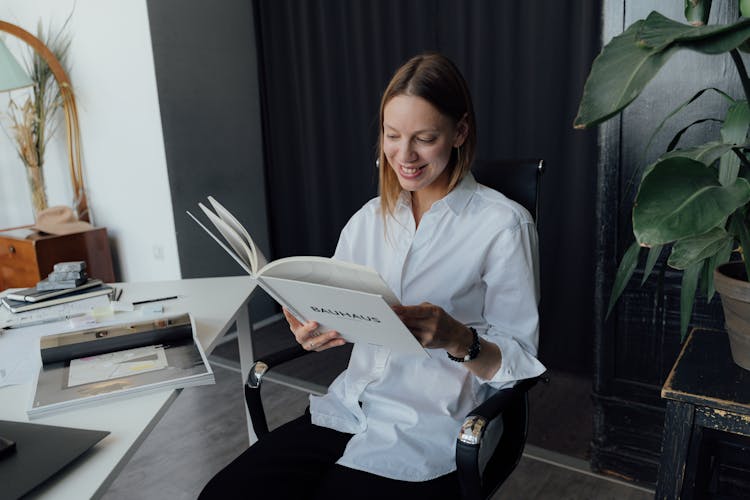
(154, 300)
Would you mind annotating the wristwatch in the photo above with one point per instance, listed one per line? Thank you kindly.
(474, 349)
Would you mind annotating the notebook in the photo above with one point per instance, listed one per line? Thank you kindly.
(34, 295)
(41, 452)
(17, 306)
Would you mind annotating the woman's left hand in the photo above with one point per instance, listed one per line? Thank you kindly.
(435, 328)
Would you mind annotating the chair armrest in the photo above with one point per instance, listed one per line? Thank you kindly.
(254, 379)
(261, 366)
(509, 406)
(492, 408)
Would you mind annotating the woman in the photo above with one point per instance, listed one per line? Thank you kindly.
(463, 260)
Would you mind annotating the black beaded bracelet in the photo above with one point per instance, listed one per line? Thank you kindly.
(474, 349)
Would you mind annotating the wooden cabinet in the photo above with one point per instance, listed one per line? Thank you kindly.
(27, 257)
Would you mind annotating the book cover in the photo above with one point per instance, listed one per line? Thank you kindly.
(17, 306)
(37, 294)
(94, 364)
(349, 298)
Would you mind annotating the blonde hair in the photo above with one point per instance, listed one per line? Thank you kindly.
(434, 78)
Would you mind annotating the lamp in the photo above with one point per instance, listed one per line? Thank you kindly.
(9, 80)
(12, 76)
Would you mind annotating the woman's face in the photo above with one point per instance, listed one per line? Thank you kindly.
(417, 141)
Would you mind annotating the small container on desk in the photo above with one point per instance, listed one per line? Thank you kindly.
(27, 256)
(707, 396)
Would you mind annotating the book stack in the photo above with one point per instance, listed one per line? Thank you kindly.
(68, 282)
(65, 276)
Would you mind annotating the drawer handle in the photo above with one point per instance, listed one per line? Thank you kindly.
(11, 249)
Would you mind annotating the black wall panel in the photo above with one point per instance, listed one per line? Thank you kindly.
(206, 71)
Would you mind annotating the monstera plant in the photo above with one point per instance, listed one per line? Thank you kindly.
(693, 200)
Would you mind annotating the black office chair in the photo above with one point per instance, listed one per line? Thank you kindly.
(493, 435)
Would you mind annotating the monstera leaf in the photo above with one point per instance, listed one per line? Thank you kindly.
(680, 197)
(632, 59)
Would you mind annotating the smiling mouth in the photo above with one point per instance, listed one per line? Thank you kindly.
(411, 171)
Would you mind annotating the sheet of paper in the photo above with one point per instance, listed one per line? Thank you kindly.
(19, 347)
(19, 361)
(116, 364)
(52, 313)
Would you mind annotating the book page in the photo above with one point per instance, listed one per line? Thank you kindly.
(223, 245)
(116, 364)
(258, 259)
(330, 272)
(231, 236)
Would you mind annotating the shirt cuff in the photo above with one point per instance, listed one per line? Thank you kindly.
(517, 364)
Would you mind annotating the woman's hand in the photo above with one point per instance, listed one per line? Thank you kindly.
(435, 328)
(309, 337)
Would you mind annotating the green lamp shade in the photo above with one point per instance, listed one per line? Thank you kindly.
(12, 76)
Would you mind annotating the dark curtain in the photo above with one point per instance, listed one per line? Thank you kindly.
(323, 66)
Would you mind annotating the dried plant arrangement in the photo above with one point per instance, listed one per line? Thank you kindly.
(33, 123)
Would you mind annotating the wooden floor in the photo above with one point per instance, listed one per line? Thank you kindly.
(205, 429)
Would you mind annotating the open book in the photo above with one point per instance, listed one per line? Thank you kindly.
(349, 298)
(107, 362)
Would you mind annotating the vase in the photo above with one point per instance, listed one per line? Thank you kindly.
(731, 282)
(35, 176)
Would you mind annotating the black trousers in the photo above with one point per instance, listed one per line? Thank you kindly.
(298, 461)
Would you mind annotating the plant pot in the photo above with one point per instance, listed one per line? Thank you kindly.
(731, 282)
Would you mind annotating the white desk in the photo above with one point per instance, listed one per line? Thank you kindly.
(216, 304)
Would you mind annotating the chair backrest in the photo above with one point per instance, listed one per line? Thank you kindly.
(519, 180)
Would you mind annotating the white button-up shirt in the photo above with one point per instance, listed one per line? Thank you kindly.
(475, 255)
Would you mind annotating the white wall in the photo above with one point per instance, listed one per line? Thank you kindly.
(124, 163)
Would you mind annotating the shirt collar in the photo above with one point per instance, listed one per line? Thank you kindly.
(456, 200)
(459, 197)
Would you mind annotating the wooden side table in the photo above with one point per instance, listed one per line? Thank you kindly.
(26, 257)
(705, 390)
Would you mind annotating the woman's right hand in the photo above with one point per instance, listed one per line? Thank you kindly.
(308, 336)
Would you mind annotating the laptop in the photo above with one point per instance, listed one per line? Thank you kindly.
(41, 451)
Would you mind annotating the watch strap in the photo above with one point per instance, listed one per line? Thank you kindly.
(474, 349)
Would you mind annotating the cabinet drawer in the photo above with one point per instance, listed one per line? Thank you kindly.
(18, 277)
(18, 266)
(18, 250)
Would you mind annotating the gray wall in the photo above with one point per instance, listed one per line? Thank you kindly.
(206, 73)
